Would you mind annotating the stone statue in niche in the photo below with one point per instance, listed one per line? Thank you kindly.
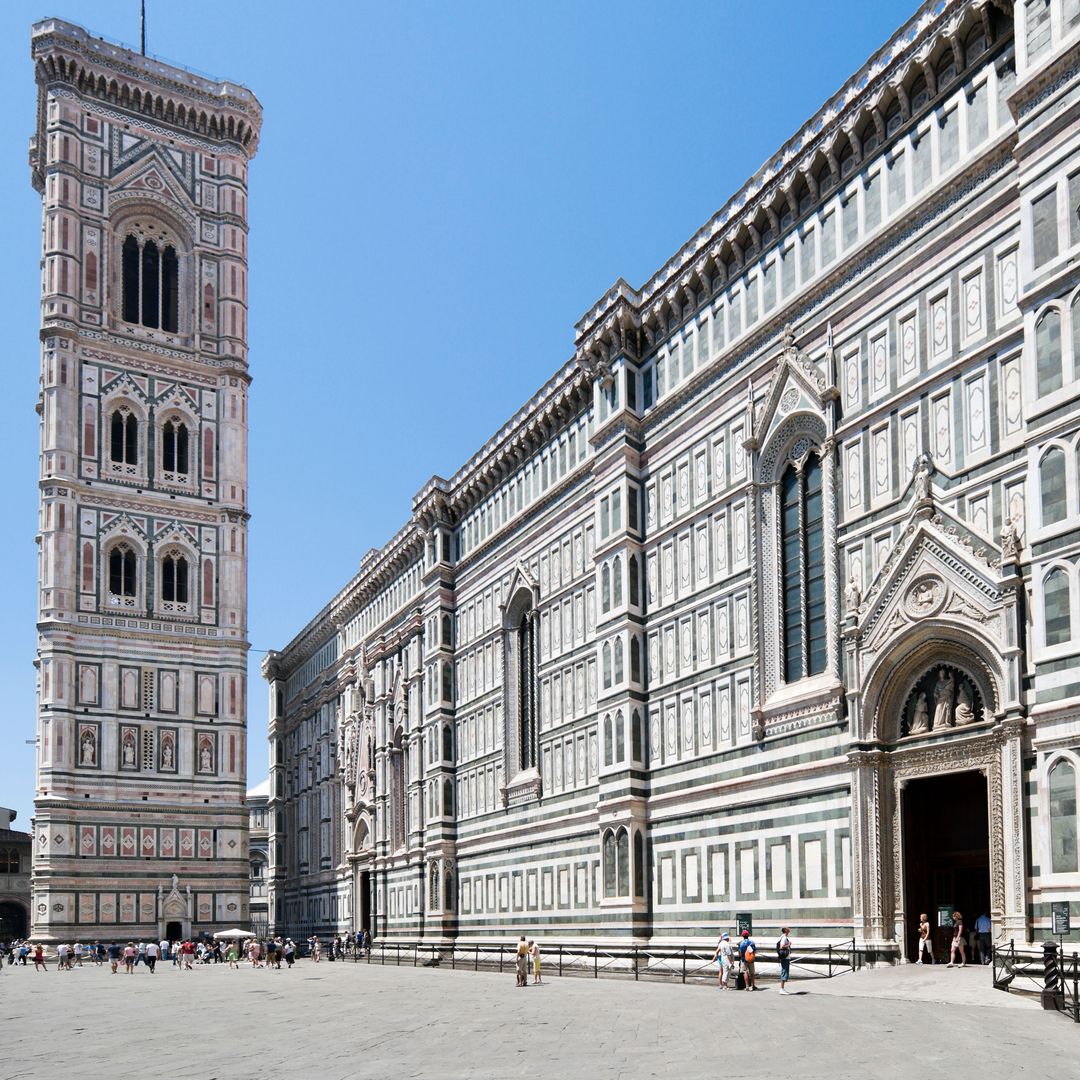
(167, 759)
(206, 756)
(128, 753)
(943, 700)
(920, 720)
(852, 596)
(1010, 540)
(88, 749)
(965, 707)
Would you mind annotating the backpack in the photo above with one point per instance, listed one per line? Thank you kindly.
(785, 951)
(749, 953)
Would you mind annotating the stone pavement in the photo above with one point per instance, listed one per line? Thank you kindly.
(336, 1021)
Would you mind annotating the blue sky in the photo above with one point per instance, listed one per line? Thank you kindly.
(442, 190)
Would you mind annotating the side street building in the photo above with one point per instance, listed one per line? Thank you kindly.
(768, 600)
(140, 827)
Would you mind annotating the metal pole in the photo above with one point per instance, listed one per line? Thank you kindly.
(142, 26)
(684, 964)
(830, 959)
(1076, 990)
(595, 962)
(476, 962)
(635, 964)
(560, 959)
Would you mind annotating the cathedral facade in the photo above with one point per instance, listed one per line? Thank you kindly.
(768, 601)
(140, 823)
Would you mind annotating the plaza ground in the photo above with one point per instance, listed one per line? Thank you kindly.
(340, 1020)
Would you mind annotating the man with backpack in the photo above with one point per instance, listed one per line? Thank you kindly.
(783, 953)
(747, 954)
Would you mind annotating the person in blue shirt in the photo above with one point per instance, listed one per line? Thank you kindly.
(748, 954)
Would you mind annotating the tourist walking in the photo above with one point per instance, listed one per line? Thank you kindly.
(233, 953)
(114, 956)
(188, 949)
(61, 957)
(152, 950)
(957, 945)
(926, 945)
(724, 958)
(39, 958)
(534, 953)
(783, 954)
(290, 953)
(130, 952)
(747, 956)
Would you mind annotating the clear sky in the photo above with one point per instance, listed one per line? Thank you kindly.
(441, 191)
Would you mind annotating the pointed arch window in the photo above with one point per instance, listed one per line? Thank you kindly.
(1062, 791)
(616, 583)
(1053, 486)
(174, 447)
(635, 583)
(803, 569)
(122, 572)
(174, 578)
(1048, 351)
(149, 279)
(123, 437)
(1057, 616)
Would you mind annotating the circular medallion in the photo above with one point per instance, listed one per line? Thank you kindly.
(925, 597)
(789, 399)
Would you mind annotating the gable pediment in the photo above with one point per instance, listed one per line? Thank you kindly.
(938, 570)
(797, 386)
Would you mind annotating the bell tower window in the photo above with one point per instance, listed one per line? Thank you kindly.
(150, 279)
(122, 570)
(123, 437)
(174, 579)
(174, 447)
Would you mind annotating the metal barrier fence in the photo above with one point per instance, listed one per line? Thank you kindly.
(658, 963)
(1045, 970)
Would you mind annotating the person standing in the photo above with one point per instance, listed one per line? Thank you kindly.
(983, 930)
(61, 957)
(748, 955)
(521, 961)
(925, 942)
(39, 958)
(152, 950)
(77, 953)
(534, 953)
(114, 956)
(130, 953)
(188, 949)
(725, 957)
(290, 953)
(783, 953)
(163, 949)
(957, 945)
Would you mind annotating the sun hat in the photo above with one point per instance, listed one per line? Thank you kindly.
(725, 937)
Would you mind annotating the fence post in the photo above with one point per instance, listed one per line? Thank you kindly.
(1053, 992)
(635, 964)
(1076, 988)
(560, 958)
(500, 959)
(476, 962)
(684, 964)
(830, 959)
(596, 962)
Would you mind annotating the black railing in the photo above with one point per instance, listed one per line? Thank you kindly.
(1048, 971)
(650, 962)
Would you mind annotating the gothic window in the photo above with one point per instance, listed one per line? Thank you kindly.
(123, 583)
(637, 748)
(620, 737)
(398, 793)
(150, 279)
(1057, 618)
(124, 437)
(174, 448)
(1048, 351)
(616, 573)
(608, 741)
(1052, 485)
(448, 797)
(802, 557)
(639, 863)
(618, 661)
(616, 853)
(635, 660)
(1063, 851)
(606, 653)
(635, 584)
(174, 579)
(605, 588)
(447, 743)
(433, 887)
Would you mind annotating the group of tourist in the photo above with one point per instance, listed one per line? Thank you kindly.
(737, 963)
(980, 943)
(268, 954)
(528, 956)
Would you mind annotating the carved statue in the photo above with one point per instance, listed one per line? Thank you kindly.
(943, 700)
(88, 751)
(206, 757)
(1010, 540)
(129, 750)
(167, 753)
(965, 707)
(920, 721)
(852, 596)
(923, 468)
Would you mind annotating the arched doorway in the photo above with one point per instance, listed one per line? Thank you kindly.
(946, 831)
(13, 920)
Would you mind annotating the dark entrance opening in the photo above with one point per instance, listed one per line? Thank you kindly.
(12, 921)
(364, 901)
(946, 855)
(174, 931)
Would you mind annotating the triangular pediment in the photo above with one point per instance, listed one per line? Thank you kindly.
(123, 382)
(132, 155)
(121, 524)
(154, 177)
(797, 385)
(939, 569)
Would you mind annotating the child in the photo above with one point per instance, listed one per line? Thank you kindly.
(534, 952)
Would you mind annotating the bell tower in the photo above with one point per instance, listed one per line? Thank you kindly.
(142, 644)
